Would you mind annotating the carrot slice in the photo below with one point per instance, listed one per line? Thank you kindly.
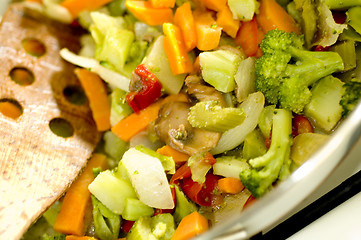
(215, 5)
(247, 37)
(230, 185)
(72, 237)
(96, 92)
(208, 33)
(145, 12)
(190, 226)
(77, 6)
(226, 21)
(183, 18)
(137, 122)
(175, 50)
(70, 219)
(272, 16)
(162, 3)
(177, 156)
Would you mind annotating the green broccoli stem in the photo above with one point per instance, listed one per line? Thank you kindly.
(312, 66)
(266, 169)
(342, 4)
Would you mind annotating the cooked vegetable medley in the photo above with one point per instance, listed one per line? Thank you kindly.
(205, 106)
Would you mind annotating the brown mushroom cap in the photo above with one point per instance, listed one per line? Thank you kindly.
(173, 128)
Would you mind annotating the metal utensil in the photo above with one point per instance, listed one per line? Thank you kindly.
(37, 162)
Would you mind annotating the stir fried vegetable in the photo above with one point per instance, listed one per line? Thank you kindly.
(205, 106)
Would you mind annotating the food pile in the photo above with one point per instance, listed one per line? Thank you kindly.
(205, 106)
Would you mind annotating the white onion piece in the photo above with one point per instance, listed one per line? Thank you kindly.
(148, 178)
(230, 139)
(111, 77)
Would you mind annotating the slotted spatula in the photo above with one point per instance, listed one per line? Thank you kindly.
(37, 162)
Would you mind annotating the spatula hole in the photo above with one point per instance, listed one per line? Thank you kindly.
(34, 47)
(61, 127)
(75, 95)
(11, 108)
(22, 76)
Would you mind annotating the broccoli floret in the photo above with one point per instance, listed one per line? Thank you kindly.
(275, 163)
(351, 96)
(286, 69)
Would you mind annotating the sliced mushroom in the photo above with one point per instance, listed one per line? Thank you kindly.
(173, 128)
(197, 87)
(135, 84)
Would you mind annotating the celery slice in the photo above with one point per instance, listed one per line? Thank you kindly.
(353, 18)
(183, 207)
(106, 223)
(265, 120)
(219, 67)
(347, 51)
(245, 78)
(114, 146)
(163, 226)
(229, 166)
(112, 191)
(104, 22)
(209, 115)
(134, 209)
(141, 230)
(119, 109)
(254, 145)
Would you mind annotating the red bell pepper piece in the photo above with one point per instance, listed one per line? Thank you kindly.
(150, 91)
(300, 124)
(182, 173)
(127, 225)
(203, 194)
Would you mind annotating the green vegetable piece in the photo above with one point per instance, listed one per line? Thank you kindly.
(106, 223)
(350, 34)
(309, 18)
(163, 226)
(275, 164)
(114, 146)
(157, 62)
(167, 162)
(342, 4)
(141, 230)
(115, 47)
(353, 18)
(324, 107)
(119, 109)
(245, 78)
(209, 115)
(219, 67)
(116, 7)
(183, 207)
(265, 120)
(230, 166)
(199, 168)
(52, 213)
(351, 96)
(134, 209)
(56, 236)
(105, 22)
(254, 145)
(112, 190)
(243, 9)
(286, 70)
(347, 51)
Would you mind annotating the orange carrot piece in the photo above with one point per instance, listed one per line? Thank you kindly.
(10, 109)
(37, 1)
(208, 33)
(177, 156)
(183, 18)
(162, 3)
(77, 6)
(175, 50)
(230, 185)
(247, 37)
(96, 92)
(226, 21)
(130, 126)
(215, 5)
(190, 226)
(70, 219)
(272, 16)
(72, 237)
(145, 12)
